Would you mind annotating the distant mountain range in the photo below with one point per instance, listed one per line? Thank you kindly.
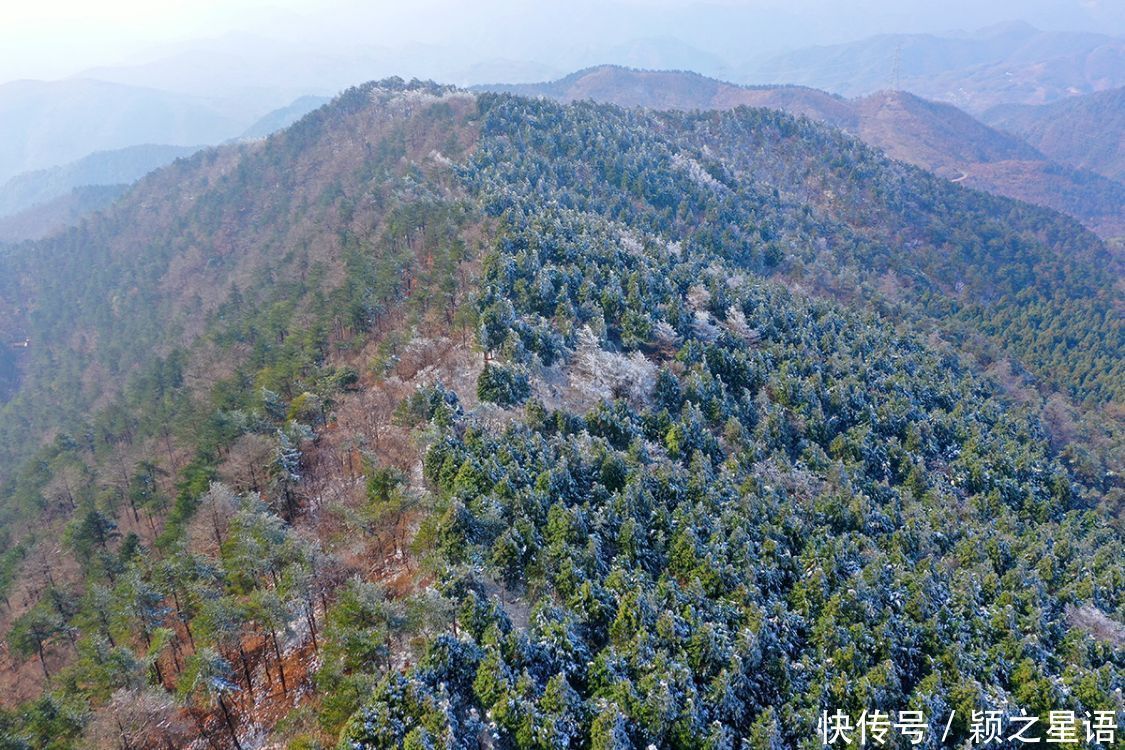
(683, 90)
(116, 167)
(35, 203)
(1012, 63)
(52, 123)
(933, 135)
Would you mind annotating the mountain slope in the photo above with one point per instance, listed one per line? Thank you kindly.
(951, 143)
(936, 136)
(119, 167)
(186, 244)
(36, 203)
(704, 549)
(283, 117)
(1087, 132)
(481, 414)
(1009, 64)
(55, 214)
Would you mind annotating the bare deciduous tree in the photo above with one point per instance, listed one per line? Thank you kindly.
(142, 719)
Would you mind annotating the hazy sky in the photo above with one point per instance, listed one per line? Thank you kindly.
(58, 38)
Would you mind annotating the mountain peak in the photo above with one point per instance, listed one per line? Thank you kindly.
(1014, 28)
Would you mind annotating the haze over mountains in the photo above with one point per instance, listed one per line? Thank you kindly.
(37, 202)
(1011, 63)
(205, 91)
(310, 44)
(51, 123)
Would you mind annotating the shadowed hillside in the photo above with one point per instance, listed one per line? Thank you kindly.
(951, 143)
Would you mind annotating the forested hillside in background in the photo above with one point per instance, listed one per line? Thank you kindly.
(475, 420)
(1083, 131)
(935, 136)
(119, 167)
(69, 209)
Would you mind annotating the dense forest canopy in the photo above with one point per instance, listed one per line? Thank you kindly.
(459, 420)
(930, 134)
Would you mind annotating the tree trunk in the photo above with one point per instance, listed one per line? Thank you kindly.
(312, 626)
(42, 660)
(280, 665)
(176, 655)
(124, 737)
(182, 619)
(246, 670)
(230, 723)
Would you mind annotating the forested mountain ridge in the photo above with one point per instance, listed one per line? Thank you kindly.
(663, 89)
(782, 188)
(495, 417)
(191, 245)
(933, 135)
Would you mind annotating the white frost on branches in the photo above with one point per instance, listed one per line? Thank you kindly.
(737, 325)
(609, 375)
(440, 158)
(698, 297)
(696, 172)
(631, 243)
(703, 325)
(664, 336)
